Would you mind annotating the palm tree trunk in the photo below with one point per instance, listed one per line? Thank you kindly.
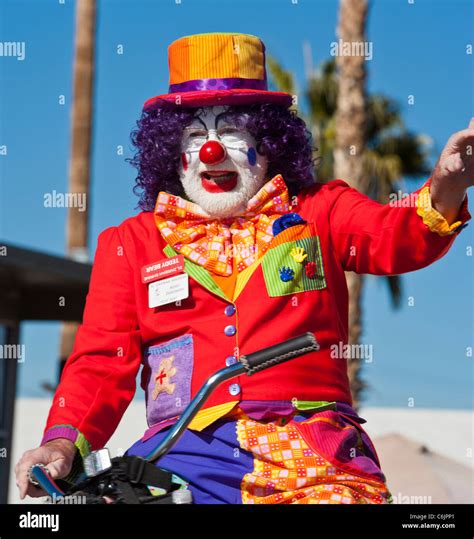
(79, 172)
(355, 284)
(349, 148)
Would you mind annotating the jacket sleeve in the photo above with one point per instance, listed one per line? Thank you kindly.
(98, 380)
(389, 239)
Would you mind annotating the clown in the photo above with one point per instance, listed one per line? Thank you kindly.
(238, 248)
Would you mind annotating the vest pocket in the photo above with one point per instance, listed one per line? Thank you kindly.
(343, 444)
(294, 266)
(168, 390)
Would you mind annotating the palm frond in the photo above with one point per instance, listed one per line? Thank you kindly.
(321, 93)
(383, 113)
(394, 283)
(412, 150)
(381, 174)
(280, 77)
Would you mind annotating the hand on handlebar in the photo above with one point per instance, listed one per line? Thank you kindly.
(57, 456)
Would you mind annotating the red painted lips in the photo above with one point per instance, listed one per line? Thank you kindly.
(219, 181)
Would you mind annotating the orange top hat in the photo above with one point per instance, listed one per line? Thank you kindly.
(217, 69)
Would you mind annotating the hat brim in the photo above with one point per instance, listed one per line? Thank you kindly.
(209, 98)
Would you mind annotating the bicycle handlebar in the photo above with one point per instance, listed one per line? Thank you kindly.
(279, 353)
(39, 476)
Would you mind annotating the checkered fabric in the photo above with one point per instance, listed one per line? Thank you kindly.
(288, 470)
(214, 243)
(431, 217)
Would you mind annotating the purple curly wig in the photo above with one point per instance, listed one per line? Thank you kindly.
(280, 134)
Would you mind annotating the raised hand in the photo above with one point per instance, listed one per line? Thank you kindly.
(453, 173)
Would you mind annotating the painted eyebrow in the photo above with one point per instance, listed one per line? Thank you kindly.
(217, 119)
(220, 116)
(201, 122)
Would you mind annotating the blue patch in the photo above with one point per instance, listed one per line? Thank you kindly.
(286, 221)
(286, 274)
(252, 156)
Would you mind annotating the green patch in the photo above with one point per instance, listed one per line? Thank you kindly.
(198, 273)
(280, 257)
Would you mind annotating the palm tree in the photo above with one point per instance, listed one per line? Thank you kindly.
(349, 148)
(391, 153)
(79, 172)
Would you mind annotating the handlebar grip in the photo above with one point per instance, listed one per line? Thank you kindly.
(38, 475)
(279, 353)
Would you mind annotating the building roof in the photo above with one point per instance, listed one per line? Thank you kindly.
(32, 284)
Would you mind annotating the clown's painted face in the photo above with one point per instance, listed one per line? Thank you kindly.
(220, 167)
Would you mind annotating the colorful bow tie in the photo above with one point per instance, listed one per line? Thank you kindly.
(213, 243)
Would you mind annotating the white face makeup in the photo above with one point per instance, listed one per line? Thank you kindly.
(220, 168)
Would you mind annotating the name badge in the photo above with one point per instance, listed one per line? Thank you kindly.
(168, 290)
(163, 268)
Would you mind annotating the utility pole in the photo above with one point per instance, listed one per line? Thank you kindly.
(81, 134)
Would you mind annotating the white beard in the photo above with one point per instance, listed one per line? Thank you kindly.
(227, 204)
(249, 181)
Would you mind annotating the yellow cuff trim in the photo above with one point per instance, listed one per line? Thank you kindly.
(206, 417)
(431, 217)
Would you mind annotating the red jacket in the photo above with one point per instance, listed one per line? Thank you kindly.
(345, 231)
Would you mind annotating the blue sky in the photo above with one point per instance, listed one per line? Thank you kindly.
(419, 49)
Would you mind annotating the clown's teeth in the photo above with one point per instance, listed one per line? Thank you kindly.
(219, 183)
(218, 176)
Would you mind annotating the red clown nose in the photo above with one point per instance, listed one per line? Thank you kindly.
(212, 153)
